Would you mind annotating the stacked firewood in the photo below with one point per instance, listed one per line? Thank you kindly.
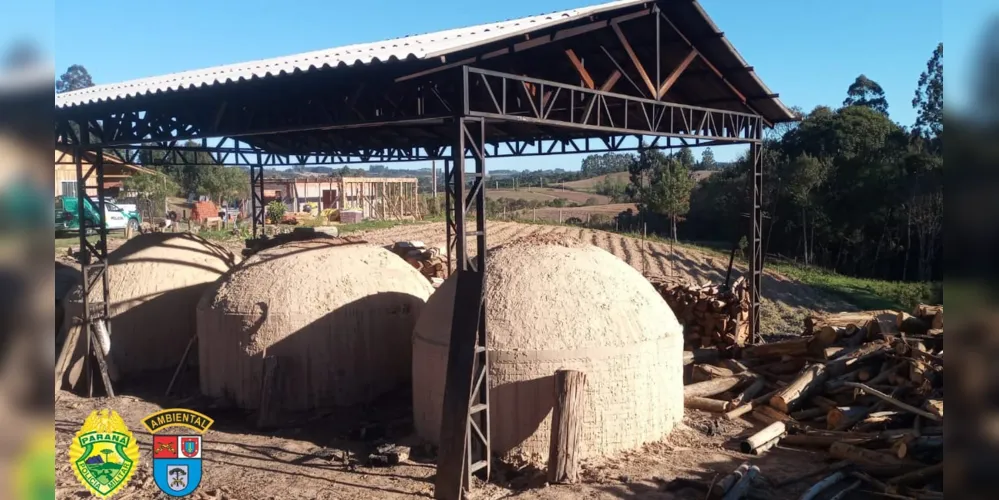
(711, 315)
(431, 262)
(867, 387)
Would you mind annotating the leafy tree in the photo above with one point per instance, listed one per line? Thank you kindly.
(153, 188)
(685, 157)
(928, 101)
(667, 190)
(868, 93)
(222, 183)
(75, 78)
(708, 160)
(607, 163)
(805, 174)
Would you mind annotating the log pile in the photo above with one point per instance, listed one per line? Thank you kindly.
(431, 262)
(866, 387)
(710, 314)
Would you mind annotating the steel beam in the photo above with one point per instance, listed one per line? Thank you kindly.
(756, 236)
(465, 447)
(258, 209)
(93, 261)
(496, 98)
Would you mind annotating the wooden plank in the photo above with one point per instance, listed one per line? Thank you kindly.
(672, 78)
(634, 60)
(567, 427)
(576, 63)
(270, 404)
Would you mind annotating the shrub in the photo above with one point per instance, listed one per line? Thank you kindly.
(275, 211)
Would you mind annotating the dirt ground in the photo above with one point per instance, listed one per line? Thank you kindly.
(323, 455)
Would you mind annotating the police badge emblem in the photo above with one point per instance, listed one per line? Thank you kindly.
(177, 458)
(104, 453)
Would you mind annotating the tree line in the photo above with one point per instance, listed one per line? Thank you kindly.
(845, 188)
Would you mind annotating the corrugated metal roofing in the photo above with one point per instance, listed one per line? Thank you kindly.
(688, 15)
(418, 46)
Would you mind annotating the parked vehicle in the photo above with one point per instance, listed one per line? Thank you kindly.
(115, 217)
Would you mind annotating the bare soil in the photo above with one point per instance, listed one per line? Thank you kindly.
(322, 455)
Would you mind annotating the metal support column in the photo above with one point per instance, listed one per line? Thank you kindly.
(756, 232)
(93, 260)
(465, 435)
(257, 208)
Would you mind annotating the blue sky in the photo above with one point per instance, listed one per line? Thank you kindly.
(808, 51)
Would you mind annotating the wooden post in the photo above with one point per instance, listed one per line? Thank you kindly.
(567, 426)
(270, 402)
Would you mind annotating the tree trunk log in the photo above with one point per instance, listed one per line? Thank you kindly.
(567, 426)
(764, 436)
(710, 388)
(794, 347)
(811, 378)
(270, 394)
(700, 373)
(706, 404)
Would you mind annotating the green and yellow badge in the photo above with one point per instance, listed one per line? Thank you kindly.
(104, 453)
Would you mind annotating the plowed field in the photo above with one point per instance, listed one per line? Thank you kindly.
(785, 301)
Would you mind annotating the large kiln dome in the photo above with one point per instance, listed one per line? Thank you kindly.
(156, 280)
(561, 306)
(337, 316)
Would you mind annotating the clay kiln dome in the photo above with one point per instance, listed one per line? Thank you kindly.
(338, 317)
(156, 280)
(561, 306)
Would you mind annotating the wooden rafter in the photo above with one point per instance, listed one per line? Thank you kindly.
(634, 59)
(719, 74)
(585, 75)
(611, 80)
(672, 78)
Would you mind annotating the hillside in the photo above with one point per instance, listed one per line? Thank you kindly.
(547, 194)
(590, 185)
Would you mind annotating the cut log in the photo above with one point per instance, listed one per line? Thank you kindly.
(749, 392)
(793, 347)
(906, 448)
(710, 388)
(822, 485)
(700, 373)
(884, 324)
(729, 481)
(567, 426)
(764, 436)
(775, 414)
(935, 407)
(748, 407)
(700, 356)
(742, 486)
(842, 417)
(706, 404)
(897, 403)
(270, 394)
(825, 439)
(918, 476)
(806, 383)
(933, 314)
(863, 456)
(809, 413)
(908, 323)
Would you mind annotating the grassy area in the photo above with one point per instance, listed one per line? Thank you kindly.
(863, 292)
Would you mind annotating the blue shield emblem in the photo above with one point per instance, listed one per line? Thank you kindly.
(177, 464)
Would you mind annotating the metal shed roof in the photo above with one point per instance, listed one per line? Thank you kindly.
(689, 15)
